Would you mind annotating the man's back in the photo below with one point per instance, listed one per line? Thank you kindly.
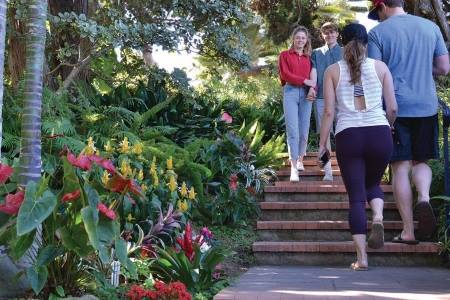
(408, 44)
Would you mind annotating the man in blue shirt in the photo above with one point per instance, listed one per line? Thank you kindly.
(321, 59)
(414, 50)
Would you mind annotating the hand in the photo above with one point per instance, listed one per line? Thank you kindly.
(311, 94)
(322, 151)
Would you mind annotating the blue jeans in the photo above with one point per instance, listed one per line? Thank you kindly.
(297, 115)
(319, 105)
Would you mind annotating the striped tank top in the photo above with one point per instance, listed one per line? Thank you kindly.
(346, 114)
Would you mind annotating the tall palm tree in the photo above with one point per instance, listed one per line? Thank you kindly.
(30, 153)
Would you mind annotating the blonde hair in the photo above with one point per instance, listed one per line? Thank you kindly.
(354, 55)
(307, 49)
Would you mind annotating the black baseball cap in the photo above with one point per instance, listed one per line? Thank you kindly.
(354, 31)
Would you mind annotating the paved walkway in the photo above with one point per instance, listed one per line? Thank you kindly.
(322, 283)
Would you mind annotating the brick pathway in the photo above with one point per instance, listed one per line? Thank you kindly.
(322, 283)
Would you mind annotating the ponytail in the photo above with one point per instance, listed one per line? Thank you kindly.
(354, 56)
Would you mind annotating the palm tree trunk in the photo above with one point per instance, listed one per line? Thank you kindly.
(2, 61)
(30, 152)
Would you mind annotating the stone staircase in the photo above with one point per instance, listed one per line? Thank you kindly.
(305, 223)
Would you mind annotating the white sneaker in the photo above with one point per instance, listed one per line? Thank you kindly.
(294, 175)
(328, 172)
(300, 166)
(327, 177)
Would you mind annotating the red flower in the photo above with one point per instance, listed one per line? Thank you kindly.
(102, 162)
(118, 184)
(233, 182)
(71, 196)
(12, 203)
(185, 242)
(109, 213)
(251, 190)
(82, 161)
(5, 172)
(226, 118)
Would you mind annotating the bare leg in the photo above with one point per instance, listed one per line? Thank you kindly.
(361, 253)
(421, 177)
(403, 196)
(377, 210)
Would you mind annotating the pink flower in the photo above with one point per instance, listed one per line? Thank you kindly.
(102, 162)
(12, 203)
(206, 233)
(109, 213)
(226, 118)
(233, 182)
(71, 196)
(82, 161)
(5, 172)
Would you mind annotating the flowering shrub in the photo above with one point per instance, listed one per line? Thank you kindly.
(172, 291)
(193, 261)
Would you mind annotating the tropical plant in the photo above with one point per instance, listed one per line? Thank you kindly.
(193, 263)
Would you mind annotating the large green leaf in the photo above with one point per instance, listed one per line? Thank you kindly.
(37, 278)
(21, 244)
(35, 209)
(47, 255)
(71, 181)
(76, 239)
(90, 224)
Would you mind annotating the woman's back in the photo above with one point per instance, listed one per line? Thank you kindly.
(348, 108)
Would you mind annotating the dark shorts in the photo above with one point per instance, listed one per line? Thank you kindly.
(416, 138)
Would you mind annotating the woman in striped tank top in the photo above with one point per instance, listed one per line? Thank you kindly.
(354, 89)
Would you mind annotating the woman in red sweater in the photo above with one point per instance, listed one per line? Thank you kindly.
(295, 68)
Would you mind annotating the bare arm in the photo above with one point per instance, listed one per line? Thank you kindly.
(388, 91)
(330, 102)
(441, 65)
(312, 91)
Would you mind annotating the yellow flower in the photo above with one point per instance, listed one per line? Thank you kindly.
(144, 188)
(192, 193)
(172, 184)
(155, 179)
(90, 148)
(130, 218)
(182, 206)
(184, 190)
(170, 163)
(105, 177)
(125, 168)
(140, 175)
(138, 148)
(153, 166)
(108, 147)
(124, 145)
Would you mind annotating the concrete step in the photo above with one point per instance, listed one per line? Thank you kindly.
(312, 191)
(316, 211)
(316, 230)
(343, 253)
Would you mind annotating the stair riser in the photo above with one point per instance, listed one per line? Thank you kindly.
(313, 235)
(336, 178)
(318, 215)
(313, 197)
(346, 258)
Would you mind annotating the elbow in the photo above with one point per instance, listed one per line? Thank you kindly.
(442, 69)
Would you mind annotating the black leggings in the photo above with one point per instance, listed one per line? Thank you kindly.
(363, 154)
